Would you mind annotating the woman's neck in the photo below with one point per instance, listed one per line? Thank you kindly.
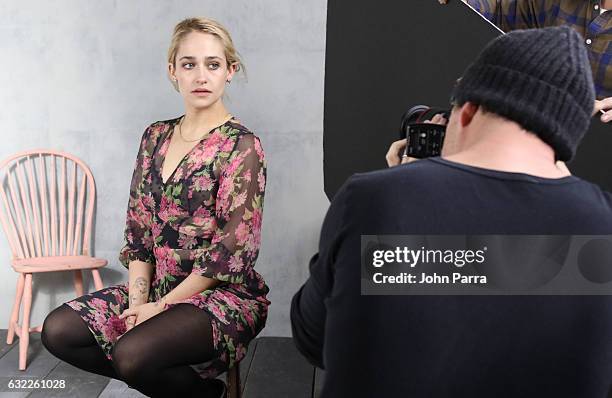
(204, 118)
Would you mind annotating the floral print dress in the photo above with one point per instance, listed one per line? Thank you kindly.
(205, 219)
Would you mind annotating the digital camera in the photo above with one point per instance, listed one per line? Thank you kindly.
(424, 139)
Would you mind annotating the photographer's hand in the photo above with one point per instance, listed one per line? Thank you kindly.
(437, 119)
(395, 152)
(604, 106)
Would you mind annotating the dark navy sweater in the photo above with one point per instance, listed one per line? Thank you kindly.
(453, 346)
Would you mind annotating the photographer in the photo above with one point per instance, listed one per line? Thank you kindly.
(515, 112)
(589, 18)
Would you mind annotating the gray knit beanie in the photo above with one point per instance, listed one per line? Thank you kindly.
(539, 78)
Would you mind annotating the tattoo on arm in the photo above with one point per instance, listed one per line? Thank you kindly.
(139, 293)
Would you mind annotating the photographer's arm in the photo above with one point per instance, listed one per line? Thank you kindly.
(308, 306)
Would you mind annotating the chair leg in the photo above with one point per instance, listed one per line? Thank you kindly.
(24, 337)
(97, 279)
(78, 283)
(15, 313)
(233, 382)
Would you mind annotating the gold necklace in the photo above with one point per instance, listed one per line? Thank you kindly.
(198, 139)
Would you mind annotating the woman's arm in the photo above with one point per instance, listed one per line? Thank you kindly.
(138, 287)
(139, 282)
(139, 310)
(137, 236)
(189, 287)
(234, 246)
(136, 253)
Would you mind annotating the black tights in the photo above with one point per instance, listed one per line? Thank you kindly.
(153, 357)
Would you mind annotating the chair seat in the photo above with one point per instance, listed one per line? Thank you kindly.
(56, 263)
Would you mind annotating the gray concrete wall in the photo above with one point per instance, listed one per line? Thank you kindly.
(87, 77)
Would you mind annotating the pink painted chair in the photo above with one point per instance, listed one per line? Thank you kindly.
(46, 197)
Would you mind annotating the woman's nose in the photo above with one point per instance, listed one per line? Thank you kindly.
(202, 75)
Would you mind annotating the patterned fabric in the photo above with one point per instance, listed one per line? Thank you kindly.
(206, 219)
(583, 16)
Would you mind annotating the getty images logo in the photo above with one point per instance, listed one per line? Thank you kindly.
(412, 257)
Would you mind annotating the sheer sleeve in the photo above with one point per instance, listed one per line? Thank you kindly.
(238, 211)
(138, 241)
(513, 14)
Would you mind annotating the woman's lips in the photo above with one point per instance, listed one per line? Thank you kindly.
(200, 93)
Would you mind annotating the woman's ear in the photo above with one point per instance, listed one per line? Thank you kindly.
(171, 72)
(231, 71)
(172, 77)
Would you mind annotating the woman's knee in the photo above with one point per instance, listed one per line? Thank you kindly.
(130, 362)
(53, 330)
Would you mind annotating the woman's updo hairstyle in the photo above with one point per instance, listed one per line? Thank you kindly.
(204, 25)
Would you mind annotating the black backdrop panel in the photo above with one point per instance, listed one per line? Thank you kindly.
(593, 160)
(383, 57)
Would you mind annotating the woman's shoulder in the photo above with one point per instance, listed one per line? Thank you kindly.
(244, 140)
(156, 129)
(238, 129)
(243, 136)
(163, 124)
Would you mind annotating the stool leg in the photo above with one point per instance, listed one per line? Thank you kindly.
(233, 382)
(15, 313)
(24, 338)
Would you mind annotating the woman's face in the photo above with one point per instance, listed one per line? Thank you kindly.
(201, 70)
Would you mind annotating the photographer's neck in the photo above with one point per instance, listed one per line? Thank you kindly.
(498, 144)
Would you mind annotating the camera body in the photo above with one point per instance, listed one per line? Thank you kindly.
(424, 139)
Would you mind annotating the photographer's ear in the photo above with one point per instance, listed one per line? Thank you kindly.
(467, 113)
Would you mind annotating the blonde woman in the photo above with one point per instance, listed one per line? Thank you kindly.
(193, 301)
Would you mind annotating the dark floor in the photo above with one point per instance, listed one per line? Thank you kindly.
(272, 368)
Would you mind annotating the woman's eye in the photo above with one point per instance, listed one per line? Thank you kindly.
(213, 66)
(188, 65)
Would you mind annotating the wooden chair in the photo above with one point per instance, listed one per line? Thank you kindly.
(46, 210)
